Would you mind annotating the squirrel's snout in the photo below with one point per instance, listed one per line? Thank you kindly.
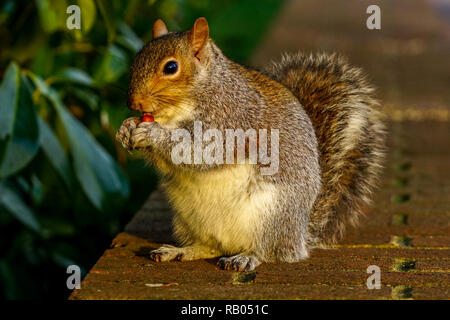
(134, 103)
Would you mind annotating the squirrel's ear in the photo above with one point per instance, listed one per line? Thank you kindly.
(159, 29)
(198, 36)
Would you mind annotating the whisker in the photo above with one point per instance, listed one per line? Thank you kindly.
(170, 102)
(151, 89)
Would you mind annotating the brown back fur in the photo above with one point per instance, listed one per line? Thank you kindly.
(350, 134)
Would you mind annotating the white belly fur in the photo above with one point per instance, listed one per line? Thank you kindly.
(222, 208)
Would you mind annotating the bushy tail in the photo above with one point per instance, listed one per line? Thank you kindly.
(350, 133)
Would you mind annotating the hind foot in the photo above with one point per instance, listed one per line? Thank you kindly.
(168, 253)
(239, 262)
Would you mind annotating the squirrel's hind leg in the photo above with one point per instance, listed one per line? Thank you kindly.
(193, 252)
(239, 262)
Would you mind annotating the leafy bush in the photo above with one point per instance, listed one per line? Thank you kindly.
(66, 188)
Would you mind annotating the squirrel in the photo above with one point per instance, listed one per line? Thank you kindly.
(331, 141)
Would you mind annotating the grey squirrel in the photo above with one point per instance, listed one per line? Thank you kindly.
(331, 143)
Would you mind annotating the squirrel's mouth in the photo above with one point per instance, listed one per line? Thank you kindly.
(150, 113)
(149, 110)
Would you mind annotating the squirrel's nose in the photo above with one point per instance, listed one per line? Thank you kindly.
(134, 103)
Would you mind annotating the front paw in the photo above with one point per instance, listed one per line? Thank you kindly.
(145, 135)
(166, 253)
(125, 132)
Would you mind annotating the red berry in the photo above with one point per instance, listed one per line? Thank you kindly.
(147, 117)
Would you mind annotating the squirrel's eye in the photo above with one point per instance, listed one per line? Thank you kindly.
(170, 67)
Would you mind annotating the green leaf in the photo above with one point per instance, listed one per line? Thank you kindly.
(13, 203)
(107, 12)
(97, 172)
(112, 65)
(8, 100)
(73, 75)
(101, 178)
(88, 14)
(43, 61)
(87, 96)
(52, 14)
(54, 152)
(23, 185)
(37, 190)
(128, 38)
(19, 132)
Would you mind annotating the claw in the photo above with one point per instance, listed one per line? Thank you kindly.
(239, 263)
(124, 133)
(166, 253)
